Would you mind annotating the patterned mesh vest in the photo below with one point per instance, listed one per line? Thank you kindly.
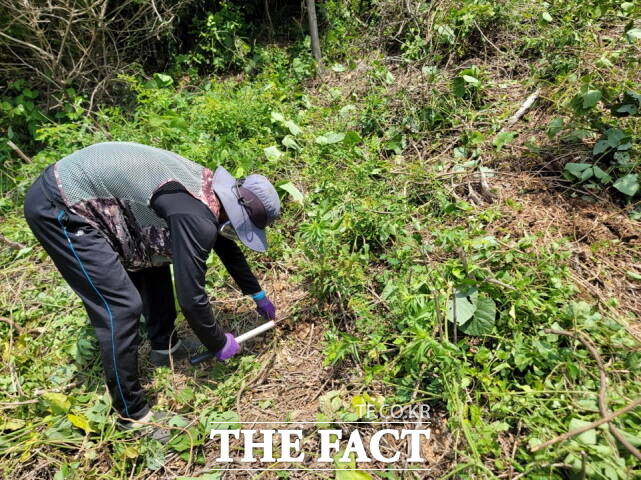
(111, 184)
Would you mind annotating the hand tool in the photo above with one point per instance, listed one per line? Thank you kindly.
(201, 357)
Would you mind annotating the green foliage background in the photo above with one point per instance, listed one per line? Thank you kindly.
(380, 240)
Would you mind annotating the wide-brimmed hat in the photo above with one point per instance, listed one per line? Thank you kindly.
(251, 205)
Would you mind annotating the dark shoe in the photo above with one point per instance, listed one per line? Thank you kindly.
(159, 431)
(182, 349)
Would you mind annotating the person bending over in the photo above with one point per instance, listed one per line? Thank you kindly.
(113, 217)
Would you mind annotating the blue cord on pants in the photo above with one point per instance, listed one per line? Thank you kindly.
(107, 307)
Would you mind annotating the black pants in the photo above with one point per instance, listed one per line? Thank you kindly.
(114, 298)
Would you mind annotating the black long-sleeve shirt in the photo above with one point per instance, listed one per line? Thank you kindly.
(193, 234)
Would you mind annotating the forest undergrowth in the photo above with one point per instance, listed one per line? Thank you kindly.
(460, 186)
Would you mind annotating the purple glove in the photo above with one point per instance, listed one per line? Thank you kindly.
(230, 349)
(264, 306)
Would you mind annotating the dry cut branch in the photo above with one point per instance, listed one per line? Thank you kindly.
(85, 45)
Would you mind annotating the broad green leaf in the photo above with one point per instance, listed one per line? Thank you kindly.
(180, 443)
(600, 147)
(277, 117)
(330, 402)
(12, 424)
(57, 402)
(587, 173)
(289, 142)
(633, 34)
(503, 139)
(622, 158)
(465, 303)
(163, 80)
(131, 452)
(293, 128)
(352, 138)
(178, 421)
(577, 169)
(294, 192)
(555, 126)
(80, 421)
(591, 98)
(359, 405)
(588, 437)
(471, 80)
(220, 421)
(615, 136)
(484, 317)
(155, 458)
(330, 138)
(272, 153)
(627, 185)
(601, 174)
(186, 395)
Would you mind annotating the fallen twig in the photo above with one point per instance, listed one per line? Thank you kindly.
(521, 111)
(606, 417)
(10, 243)
(20, 153)
(603, 383)
(19, 330)
(589, 426)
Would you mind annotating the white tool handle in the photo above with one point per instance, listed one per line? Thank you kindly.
(256, 331)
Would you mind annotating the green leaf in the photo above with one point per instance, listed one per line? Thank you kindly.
(180, 443)
(484, 317)
(272, 153)
(577, 169)
(601, 174)
(178, 421)
(471, 80)
(163, 80)
(12, 424)
(330, 138)
(627, 185)
(591, 98)
(352, 475)
(343, 112)
(503, 139)
(155, 458)
(294, 192)
(352, 138)
(600, 147)
(80, 421)
(293, 128)
(547, 17)
(338, 67)
(588, 437)
(57, 402)
(186, 395)
(277, 117)
(587, 173)
(465, 303)
(633, 34)
(555, 126)
(289, 142)
(633, 275)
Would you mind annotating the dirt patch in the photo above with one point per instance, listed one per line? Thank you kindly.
(287, 389)
(605, 243)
